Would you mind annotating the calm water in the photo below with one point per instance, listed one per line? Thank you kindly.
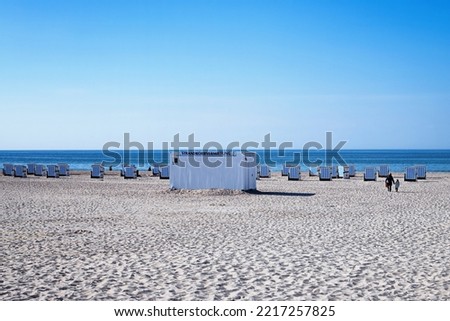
(435, 160)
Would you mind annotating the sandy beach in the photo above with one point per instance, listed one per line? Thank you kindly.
(79, 238)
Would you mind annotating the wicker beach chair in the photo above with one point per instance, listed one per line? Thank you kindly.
(31, 168)
(384, 171)
(8, 169)
(156, 170)
(421, 171)
(411, 174)
(130, 172)
(164, 172)
(313, 171)
(334, 172)
(97, 171)
(370, 174)
(40, 170)
(20, 171)
(52, 171)
(325, 173)
(265, 172)
(64, 169)
(294, 173)
(351, 170)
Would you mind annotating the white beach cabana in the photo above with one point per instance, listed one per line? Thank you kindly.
(213, 170)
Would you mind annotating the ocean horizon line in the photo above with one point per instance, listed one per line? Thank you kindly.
(235, 149)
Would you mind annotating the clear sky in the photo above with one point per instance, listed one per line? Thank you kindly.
(77, 74)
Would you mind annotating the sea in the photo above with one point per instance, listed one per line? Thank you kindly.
(398, 160)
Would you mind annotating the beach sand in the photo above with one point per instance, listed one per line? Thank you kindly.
(84, 239)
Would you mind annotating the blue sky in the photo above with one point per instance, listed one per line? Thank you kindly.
(77, 74)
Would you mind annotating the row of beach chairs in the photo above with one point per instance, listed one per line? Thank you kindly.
(62, 169)
(162, 171)
(412, 173)
(53, 171)
(327, 173)
(292, 172)
(130, 171)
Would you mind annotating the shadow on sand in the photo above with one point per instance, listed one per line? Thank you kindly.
(256, 192)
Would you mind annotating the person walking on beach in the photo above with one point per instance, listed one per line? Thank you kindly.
(389, 181)
(397, 185)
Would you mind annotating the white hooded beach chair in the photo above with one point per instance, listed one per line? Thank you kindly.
(421, 171)
(294, 173)
(351, 170)
(411, 174)
(122, 170)
(286, 168)
(20, 171)
(346, 171)
(97, 171)
(334, 172)
(31, 168)
(370, 174)
(63, 169)
(8, 169)
(164, 172)
(341, 171)
(40, 170)
(156, 171)
(384, 171)
(130, 172)
(313, 171)
(52, 171)
(265, 172)
(325, 173)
